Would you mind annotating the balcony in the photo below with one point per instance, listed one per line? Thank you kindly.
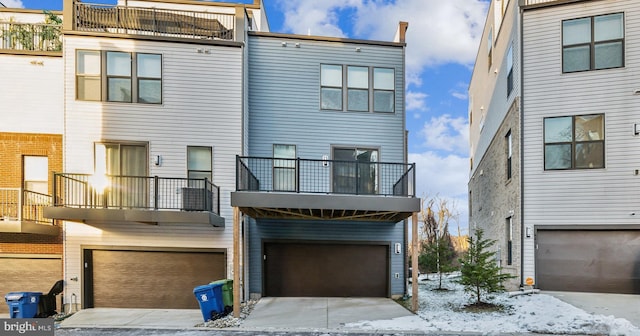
(153, 21)
(143, 199)
(22, 211)
(325, 189)
(30, 36)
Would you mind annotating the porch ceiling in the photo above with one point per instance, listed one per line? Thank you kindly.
(22, 226)
(154, 217)
(325, 206)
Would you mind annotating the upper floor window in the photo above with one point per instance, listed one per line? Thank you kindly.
(510, 70)
(593, 43)
(490, 48)
(574, 142)
(509, 144)
(36, 173)
(199, 162)
(117, 76)
(331, 87)
(360, 94)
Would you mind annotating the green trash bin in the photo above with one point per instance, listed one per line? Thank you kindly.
(227, 293)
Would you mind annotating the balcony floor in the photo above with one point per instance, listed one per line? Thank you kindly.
(154, 217)
(22, 226)
(325, 206)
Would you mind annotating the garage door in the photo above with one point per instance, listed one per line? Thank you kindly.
(326, 270)
(28, 275)
(589, 261)
(148, 279)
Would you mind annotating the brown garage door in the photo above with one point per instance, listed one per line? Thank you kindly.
(148, 279)
(28, 275)
(326, 270)
(589, 261)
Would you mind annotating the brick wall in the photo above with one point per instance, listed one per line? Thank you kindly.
(13, 146)
(494, 197)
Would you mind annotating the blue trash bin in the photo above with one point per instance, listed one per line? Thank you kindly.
(23, 304)
(210, 299)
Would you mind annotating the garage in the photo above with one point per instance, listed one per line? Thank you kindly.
(148, 279)
(325, 270)
(25, 273)
(599, 261)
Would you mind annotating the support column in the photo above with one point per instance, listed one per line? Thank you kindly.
(414, 262)
(236, 262)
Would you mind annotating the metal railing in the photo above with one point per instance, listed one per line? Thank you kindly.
(135, 192)
(153, 21)
(23, 205)
(30, 36)
(324, 176)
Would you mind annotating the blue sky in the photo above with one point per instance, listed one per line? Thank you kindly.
(442, 42)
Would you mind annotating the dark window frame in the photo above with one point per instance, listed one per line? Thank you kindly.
(367, 90)
(371, 90)
(510, 70)
(341, 87)
(104, 77)
(83, 75)
(276, 165)
(189, 171)
(592, 44)
(108, 77)
(393, 91)
(509, 241)
(509, 154)
(573, 143)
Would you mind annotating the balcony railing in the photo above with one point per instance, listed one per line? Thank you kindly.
(135, 192)
(23, 205)
(325, 176)
(30, 36)
(153, 21)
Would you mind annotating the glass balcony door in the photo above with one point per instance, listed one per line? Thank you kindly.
(125, 168)
(356, 171)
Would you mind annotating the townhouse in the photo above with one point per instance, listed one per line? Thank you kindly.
(31, 127)
(198, 146)
(577, 131)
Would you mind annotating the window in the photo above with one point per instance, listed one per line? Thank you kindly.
(509, 144)
(359, 95)
(127, 77)
(331, 87)
(88, 75)
(357, 88)
(149, 78)
(490, 48)
(383, 90)
(118, 76)
(284, 171)
(593, 43)
(124, 165)
(509, 240)
(356, 171)
(36, 173)
(574, 142)
(199, 164)
(510, 70)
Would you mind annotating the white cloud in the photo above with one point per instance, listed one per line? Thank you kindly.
(444, 176)
(439, 32)
(416, 101)
(13, 3)
(446, 133)
(459, 95)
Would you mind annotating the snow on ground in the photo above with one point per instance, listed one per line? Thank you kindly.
(534, 313)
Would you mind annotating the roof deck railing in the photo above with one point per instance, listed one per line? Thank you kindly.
(153, 21)
(30, 36)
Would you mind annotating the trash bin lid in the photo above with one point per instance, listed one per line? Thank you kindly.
(14, 296)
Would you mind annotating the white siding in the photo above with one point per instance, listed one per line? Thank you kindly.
(202, 105)
(579, 197)
(31, 94)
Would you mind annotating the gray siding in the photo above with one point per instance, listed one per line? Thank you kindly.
(579, 197)
(324, 231)
(284, 106)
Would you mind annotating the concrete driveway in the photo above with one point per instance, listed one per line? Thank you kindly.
(268, 314)
(626, 306)
(320, 313)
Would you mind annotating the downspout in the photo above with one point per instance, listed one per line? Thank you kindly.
(521, 140)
